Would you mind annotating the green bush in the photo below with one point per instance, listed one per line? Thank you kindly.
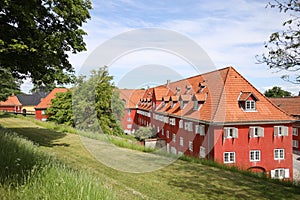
(145, 133)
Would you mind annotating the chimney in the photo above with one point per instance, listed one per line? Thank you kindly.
(168, 82)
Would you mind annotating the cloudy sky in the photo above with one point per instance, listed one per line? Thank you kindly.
(230, 33)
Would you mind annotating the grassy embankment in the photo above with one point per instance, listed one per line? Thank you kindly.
(179, 180)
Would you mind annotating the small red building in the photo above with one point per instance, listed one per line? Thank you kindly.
(291, 105)
(220, 116)
(12, 104)
(130, 98)
(40, 109)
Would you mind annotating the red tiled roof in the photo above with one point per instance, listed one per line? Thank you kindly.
(291, 105)
(221, 95)
(131, 97)
(11, 101)
(45, 102)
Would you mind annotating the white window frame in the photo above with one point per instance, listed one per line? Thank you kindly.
(230, 132)
(129, 112)
(172, 121)
(279, 154)
(174, 137)
(254, 155)
(295, 131)
(250, 105)
(281, 131)
(256, 131)
(168, 134)
(129, 119)
(295, 143)
(129, 125)
(162, 131)
(43, 112)
(230, 157)
(181, 141)
(191, 147)
(280, 173)
(200, 129)
(202, 152)
(181, 123)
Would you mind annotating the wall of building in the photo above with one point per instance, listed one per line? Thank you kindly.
(243, 144)
(11, 108)
(40, 115)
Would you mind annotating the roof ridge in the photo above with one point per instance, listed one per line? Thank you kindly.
(221, 94)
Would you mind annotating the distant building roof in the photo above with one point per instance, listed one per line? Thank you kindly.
(131, 97)
(31, 99)
(291, 105)
(45, 102)
(11, 101)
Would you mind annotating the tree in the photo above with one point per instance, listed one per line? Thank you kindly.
(37, 35)
(95, 101)
(283, 46)
(61, 110)
(277, 92)
(144, 133)
(8, 84)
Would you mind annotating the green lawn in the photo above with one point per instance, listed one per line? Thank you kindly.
(179, 180)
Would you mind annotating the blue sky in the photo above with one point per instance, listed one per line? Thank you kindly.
(231, 32)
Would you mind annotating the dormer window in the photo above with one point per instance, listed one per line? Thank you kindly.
(250, 105)
(173, 100)
(184, 99)
(247, 101)
(199, 100)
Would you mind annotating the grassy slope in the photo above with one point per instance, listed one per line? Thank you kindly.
(180, 180)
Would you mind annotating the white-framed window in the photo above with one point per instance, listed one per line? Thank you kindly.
(202, 153)
(174, 137)
(191, 146)
(181, 123)
(281, 131)
(295, 143)
(129, 125)
(200, 129)
(250, 105)
(229, 157)
(181, 141)
(173, 104)
(129, 119)
(158, 129)
(278, 154)
(295, 131)
(168, 134)
(162, 131)
(129, 112)
(256, 131)
(254, 155)
(188, 126)
(173, 121)
(43, 112)
(280, 173)
(230, 132)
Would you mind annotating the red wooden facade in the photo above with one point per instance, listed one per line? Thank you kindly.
(220, 116)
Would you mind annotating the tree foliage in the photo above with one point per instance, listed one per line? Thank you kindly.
(8, 84)
(283, 46)
(95, 103)
(145, 133)
(277, 92)
(37, 35)
(61, 110)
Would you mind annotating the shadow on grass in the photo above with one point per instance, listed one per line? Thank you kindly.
(214, 183)
(41, 136)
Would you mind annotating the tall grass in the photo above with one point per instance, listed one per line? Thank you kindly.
(28, 173)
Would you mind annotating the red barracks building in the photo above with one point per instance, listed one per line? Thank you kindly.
(291, 105)
(40, 109)
(220, 116)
